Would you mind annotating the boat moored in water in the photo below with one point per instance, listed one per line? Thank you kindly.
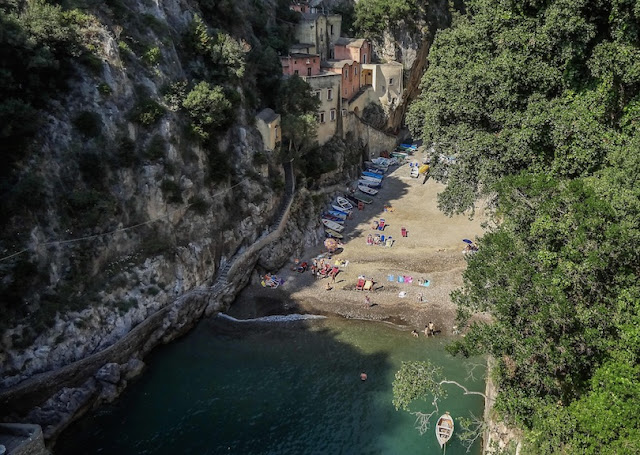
(444, 429)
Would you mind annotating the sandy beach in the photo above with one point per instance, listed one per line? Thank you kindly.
(432, 250)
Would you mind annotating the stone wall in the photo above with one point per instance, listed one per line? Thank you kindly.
(375, 141)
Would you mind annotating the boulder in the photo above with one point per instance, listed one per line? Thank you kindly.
(110, 372)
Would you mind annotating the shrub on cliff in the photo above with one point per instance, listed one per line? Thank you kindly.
(208, 108)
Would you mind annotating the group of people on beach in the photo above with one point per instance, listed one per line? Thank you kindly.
(429, 330)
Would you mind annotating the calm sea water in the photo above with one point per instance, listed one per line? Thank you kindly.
(289, 387)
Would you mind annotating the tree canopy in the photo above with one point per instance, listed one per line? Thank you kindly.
(534, 106)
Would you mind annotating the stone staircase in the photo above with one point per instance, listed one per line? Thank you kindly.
(221, 281)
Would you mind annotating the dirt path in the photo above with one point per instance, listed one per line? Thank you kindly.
(432, 251)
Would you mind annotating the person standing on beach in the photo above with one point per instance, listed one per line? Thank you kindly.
(367, 301)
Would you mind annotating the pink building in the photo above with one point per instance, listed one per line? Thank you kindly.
(300, 64)
(350, 70)
(358, 50)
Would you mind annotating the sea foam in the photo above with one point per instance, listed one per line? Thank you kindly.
(274, 318)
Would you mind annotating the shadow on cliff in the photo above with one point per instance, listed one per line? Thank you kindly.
(257, 386)
(254, 387)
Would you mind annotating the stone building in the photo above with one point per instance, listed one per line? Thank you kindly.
(268, 123)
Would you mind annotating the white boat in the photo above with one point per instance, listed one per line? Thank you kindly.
(332, 218)
(333, 225)
(371, 164)
(369, 183)
(368, 178)
(342, 202)
(367, 190)
(381, 161)
(444, 429)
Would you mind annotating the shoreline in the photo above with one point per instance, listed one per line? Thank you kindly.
(432, 250)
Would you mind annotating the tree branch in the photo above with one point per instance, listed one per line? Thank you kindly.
(466, 391)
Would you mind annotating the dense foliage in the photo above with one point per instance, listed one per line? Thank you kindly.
(375, 16)
(534, 105)
(36, 43)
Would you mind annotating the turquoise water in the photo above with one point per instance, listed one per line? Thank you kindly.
(275, 388)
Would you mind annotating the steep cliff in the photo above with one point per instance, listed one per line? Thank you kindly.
(144, 177)
(403, 31)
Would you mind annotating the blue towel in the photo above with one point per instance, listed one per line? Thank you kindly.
(391, 278)
(400, 279)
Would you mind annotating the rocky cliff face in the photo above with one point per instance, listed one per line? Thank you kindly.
(408, 42)
(137, 216)
(133, 213)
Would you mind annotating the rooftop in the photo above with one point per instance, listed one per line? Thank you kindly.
(267, 115)
(350, 42)
(336, 63)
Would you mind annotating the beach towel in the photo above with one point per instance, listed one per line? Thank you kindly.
(425, 283)
(368, 285)
(400, 279)
(408, 279)
(391, 278)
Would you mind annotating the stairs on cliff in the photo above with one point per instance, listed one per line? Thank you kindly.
(221, 280)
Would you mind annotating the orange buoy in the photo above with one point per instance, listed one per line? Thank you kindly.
(363, 376)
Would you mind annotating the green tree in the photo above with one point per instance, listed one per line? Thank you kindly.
(536, 104)
(208, 108)
(298, 106)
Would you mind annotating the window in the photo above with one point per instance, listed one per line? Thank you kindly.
(355, 71)
(346, 73)
(344, 112)
(317, 93)
(391, 81)
(308, 61)
(321, 117)
(329, 94)
(331, 28)
(295, 72)
(364, 58)
(308, 71)
(332, 115)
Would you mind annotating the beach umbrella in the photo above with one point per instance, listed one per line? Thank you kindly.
(331, 244)
(467, 241)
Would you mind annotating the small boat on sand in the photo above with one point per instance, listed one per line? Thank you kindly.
(334, 234)
(370, 183)
(326, 216)
(339, 214)
(367, 190)
(361, 197)
(342, 202)
(444, 429)
(371, 164)
(372, 174)
(333, 225)
(337, 208)
(375, 170)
